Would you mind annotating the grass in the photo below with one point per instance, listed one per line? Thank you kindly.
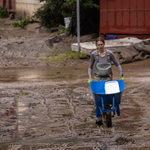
(51, 55)
(55, 57)
(73, 55)
(37, 56)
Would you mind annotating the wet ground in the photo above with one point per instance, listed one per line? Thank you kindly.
(52, 108)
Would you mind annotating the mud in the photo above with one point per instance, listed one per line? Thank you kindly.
(53, 108)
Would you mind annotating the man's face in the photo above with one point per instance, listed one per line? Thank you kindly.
(100, 45)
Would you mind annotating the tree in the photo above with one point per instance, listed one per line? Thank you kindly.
(85, 5)
(53, 11)
(50, 14)
(89, 16)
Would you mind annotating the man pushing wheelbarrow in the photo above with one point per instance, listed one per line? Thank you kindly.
(106, 93)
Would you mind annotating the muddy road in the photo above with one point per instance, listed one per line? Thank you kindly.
(52, 108)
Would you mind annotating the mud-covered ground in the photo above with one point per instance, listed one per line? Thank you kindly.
(52, 108)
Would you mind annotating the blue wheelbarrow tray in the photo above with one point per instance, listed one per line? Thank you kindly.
(102, 99)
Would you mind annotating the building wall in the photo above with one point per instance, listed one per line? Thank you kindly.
(1, 2)
(10, 4)
(125, 17)
(25, 8)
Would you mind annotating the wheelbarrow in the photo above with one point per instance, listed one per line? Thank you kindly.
(107, 96)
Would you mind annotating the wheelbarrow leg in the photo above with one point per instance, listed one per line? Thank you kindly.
(108, 117)
(99, 120)
(98, 116)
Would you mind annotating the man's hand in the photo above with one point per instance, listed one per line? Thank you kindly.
(90, 79)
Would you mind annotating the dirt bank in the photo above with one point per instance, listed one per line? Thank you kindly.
(33, 45)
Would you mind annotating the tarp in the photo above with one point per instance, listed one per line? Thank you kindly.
(134, 52)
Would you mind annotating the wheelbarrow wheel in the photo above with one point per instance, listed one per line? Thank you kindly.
(108, 119)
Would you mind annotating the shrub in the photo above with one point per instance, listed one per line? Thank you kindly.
(70, 7)
(53, 11)
(3, 12)
(22, 23)
(50, 13)
(62, 29)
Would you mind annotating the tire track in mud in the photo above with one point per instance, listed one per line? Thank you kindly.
(140, 91)
(136, 97)
(71, 125)
(141, 94)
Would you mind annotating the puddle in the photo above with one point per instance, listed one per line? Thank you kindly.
(34, 74)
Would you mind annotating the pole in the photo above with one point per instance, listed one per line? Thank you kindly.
(78, 24)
